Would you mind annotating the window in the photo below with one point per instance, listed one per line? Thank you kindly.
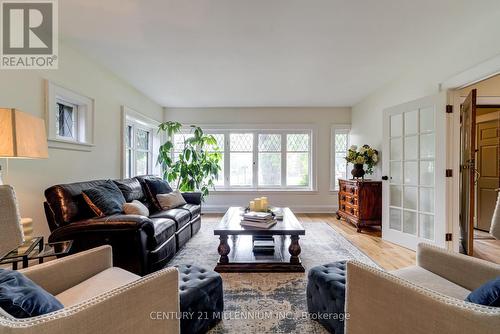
(141, 143)
(139, 154)
(264, 159)
(340, 145)
(70, 119)
(66, 120)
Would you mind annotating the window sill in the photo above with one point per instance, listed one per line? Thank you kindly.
(69, 145)
(263, 191)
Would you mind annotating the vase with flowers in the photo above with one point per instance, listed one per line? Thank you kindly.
(359, 157)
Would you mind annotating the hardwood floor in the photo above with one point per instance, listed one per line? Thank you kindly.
(486, 247)
(388, 255)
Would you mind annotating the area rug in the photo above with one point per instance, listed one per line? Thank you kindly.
(270, 302)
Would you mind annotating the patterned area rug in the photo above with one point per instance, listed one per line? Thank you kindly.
(270, 302)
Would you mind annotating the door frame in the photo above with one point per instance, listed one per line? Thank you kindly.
(455, 99)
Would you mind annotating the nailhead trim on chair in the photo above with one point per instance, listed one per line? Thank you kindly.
(23, 323)
(430, 293)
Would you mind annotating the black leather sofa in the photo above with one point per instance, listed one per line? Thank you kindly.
(140, 244)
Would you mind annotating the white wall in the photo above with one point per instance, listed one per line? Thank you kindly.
(321, 200)
(24, 89)
(458, 53)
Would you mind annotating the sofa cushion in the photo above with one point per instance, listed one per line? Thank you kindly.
(135, 208)
(154, 186)
(22, 298)
(194, 210)
(487, 294)
(171, 200)
(105, 199)
(67, 203)
(104, 281)
(429, 280)
(180, 216)
(131, 189)
(164, 229)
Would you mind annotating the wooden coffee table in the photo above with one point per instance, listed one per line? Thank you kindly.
(236, 245)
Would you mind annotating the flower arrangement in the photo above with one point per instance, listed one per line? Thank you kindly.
(365, 155)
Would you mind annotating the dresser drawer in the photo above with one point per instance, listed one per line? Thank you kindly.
(351, 210)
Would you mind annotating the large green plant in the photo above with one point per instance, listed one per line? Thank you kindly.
(197, 165)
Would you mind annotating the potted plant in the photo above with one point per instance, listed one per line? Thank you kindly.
(365, 155)
(197, 165)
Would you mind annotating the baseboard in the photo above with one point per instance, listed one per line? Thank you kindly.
(296, 209)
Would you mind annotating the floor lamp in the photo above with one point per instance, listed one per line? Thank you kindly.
(22, 136)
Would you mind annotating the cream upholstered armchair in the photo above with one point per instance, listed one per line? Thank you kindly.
(426, 298)
(100, 298)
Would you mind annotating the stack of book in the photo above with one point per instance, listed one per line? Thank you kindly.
(258, 219)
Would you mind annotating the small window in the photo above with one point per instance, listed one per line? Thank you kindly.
(340, 145)
(297, 159)
(70, 119)
(241, 159)
(66, 120)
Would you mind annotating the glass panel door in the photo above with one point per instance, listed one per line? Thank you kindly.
(410, 189)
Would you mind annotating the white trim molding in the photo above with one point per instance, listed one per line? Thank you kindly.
(211, 208)
(472, 75)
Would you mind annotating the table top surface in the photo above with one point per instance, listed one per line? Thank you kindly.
(230, 225)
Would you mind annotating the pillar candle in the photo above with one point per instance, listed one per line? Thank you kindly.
(264, 203)
(252, 205)
(258, 204)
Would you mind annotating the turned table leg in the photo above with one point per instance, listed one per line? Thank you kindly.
(223, 250)
(294, 249)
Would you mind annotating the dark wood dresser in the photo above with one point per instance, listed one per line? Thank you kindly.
(360, 202)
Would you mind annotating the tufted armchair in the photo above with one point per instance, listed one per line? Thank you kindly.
(100, 298)
(426, 298)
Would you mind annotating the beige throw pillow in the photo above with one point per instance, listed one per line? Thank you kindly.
(135, 208)
(171, 200)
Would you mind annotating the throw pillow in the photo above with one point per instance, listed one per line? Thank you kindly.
(130, 188)
(487, 294)
(105, 199)
(155, 186)
(170, 201)
(22, 298)
(135, 208)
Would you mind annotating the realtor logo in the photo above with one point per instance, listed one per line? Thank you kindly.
(29, 36)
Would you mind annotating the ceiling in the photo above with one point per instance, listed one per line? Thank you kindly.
(221, 53)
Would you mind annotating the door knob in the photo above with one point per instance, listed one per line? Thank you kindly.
(385, 177)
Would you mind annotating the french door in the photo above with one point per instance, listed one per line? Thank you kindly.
(414, 162)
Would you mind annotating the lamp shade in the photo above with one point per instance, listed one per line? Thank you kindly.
(22, 135)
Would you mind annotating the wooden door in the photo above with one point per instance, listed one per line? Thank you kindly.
(467, 171)
(488, 166)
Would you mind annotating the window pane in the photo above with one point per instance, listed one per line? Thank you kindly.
(241, 168)
(241, 142)
(297, 142)
(128, 136)
(269, 143)
(269, 169)
(219, 137)
(340, 168)
(179, 139)
(220, 181)
(341, 142)
(65, 120)
(297, 169)
(142, 139)
(141, 162)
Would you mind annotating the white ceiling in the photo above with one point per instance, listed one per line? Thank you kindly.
(208, 53)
